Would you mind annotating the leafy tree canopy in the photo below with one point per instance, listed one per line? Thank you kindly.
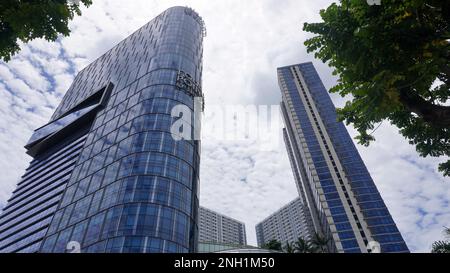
(320, 243)
(442, 246)
(393, 60)
(273, 245)
(25, 20)
(304, 246)
(289, 248)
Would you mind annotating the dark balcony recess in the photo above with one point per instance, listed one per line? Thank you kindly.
(70, 123)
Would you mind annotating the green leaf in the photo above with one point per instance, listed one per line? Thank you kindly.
(27, 20)
(388, 59)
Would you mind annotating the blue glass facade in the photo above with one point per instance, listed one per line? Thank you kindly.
(24, 220)
(331, 176)
(130, 187)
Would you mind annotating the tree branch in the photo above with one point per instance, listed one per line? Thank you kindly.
(435, 115)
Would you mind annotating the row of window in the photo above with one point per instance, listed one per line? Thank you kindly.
(157, 164)
(146, 141)
(128, 220)
(27, 216)
(135, 189)
(182, 148)
(157, 105)
(37, 166)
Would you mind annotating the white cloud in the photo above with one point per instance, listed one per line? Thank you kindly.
(246, 42)
(29, 74)
(47, 49)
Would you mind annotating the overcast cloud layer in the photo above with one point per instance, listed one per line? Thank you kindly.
(246, 42)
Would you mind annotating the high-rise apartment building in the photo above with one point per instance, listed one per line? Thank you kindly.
(286, 225)
(331, 177)
(218, 228)
(107, 173)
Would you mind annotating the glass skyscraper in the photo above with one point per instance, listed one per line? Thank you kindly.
(331, 177)
(107, 172)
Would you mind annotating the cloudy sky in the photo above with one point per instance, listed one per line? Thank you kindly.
(246, 42)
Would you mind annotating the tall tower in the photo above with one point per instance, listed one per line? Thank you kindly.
(107, 173)
(331, 177)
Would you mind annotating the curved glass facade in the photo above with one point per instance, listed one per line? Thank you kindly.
(131, 186)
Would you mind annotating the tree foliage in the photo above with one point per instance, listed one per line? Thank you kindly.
(273, 245)
(289, 248)
(442, 246)
(25, 20)
(393, 60)
(320, 243)
(317, 244)
(303, 246)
